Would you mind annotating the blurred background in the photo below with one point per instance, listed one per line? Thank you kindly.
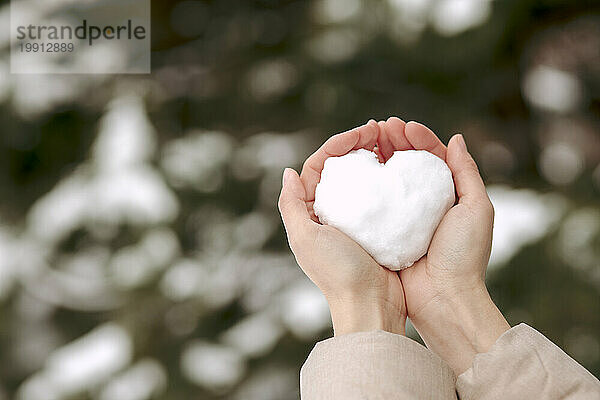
(141, 252)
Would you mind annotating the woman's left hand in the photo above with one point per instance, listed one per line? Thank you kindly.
(362, 295)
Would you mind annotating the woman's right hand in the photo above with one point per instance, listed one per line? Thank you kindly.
(446, 297)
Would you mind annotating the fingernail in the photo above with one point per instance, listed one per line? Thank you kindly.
(286, 172)
(461, 142)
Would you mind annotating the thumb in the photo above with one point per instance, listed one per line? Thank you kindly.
(467, 180)
(292, 206)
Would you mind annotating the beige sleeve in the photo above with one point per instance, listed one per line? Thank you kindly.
(523, 364)
(374, 365)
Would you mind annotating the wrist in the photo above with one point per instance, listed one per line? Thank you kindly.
(461, 326)
(363, 315)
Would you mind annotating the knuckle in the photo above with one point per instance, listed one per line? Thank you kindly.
(471, 165)
(285, 205)
(308, 165)
(281, 203)
(486, 208)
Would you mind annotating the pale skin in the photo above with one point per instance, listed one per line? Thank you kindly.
(444, 293)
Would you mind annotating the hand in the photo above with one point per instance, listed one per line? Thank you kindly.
(446, 297)
(362, 295)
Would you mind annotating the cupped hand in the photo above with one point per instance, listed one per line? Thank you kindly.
(362, 295)
(445, 291)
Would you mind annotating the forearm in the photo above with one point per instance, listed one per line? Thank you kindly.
(460, 327)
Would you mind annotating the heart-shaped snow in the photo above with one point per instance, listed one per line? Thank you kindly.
(392, 210)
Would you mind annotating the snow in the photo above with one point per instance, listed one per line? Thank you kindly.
(392, 210)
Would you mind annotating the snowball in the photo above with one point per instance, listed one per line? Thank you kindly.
(392, 210)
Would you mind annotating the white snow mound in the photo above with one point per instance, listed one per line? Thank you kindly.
(392, 210)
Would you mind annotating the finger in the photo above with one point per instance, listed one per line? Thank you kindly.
(392, 137)
(467, 180)
(422, 138)
(362, 137)
(377, 151)
(292, 205)
(310, 206)
(367, 135)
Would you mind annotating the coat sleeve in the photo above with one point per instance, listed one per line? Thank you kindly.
(523, 364)
(374, 365)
